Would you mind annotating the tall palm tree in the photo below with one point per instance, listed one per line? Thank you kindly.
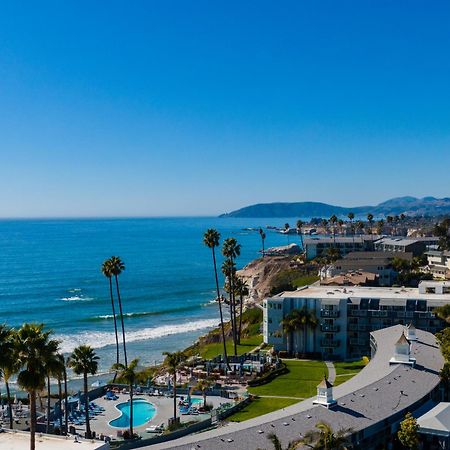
(325, 438)
(289, 326)
(370, 220)
(33, 347)
(333, 220)
(117, 267)
(211, 239)
(84, 361)
(340, 225)
(66, 398)
(380, 225)
(241, 290)
(52, 367)
(300, 230)
(61, 376)
(129, 375)
(231, 249)
(173, 362)
(263, 238)
(203, 386)
(229, 272)
(107, 270)
(8, 364)
(308, 320)
(324, 223)
(351, 216)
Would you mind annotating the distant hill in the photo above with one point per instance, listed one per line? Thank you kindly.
(410, 206)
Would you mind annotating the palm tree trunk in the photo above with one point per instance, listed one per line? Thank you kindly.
(48, 404)
(60, 405)
(233, 302)
(204, 398)
(86, 405)
(131, 411)
(8, 399)
(66, 404)
(115, 324)
(262, 247)
(121, 319)
(241, 298)
(175, 396)
(33, 420)
(305, 337)
(222, 325)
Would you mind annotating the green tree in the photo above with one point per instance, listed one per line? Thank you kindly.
(52, 367)
(8, 364)
(117, 267)
(129, 375)
(173, 362)
(84, 361)
(408, 433)
(351, 216)
(203, 386)
(442, 231)
(445, 378)
(333, 221)
(325, 438)
(380, 226)
(300, 231)
(211, 239)
(241, 290)
(443, 338)
(370, 220)
(229, 272)
(263, 238)
(33, 346)
(443, 312)
(231, 249)
(107, 270)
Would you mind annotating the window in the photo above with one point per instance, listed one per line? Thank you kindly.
(279, 306)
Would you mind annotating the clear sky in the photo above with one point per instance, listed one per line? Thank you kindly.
(165, 107)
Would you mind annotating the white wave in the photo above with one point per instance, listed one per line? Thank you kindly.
(76, 298)
(99, 339)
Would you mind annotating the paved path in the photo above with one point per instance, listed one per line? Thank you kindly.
(281, 396)
(331, 371)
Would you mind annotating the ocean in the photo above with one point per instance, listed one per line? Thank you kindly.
(50, 273)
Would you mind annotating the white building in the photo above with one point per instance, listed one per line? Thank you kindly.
(439, 263)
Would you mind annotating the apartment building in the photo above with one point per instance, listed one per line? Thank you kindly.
(347, 315)
(439, 263)
(319, 246)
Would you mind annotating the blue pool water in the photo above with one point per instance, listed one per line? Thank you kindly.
(143, 411)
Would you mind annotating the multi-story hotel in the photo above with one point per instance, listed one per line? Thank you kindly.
(346, 316)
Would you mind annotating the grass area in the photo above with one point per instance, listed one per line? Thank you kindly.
(288, 280)
(300, 382)
(209, 351)
(260, 406)
(347, 370)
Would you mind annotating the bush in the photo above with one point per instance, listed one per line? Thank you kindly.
(269, 376)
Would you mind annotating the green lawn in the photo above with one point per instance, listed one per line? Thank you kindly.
(300, 382)
(209, 351)
(304, 280)
(260, 406)
(347, 370)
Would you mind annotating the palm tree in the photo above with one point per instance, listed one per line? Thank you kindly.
(117, 267)
(203, 386)
(52, 367)
(333, 220)
(129, 375)
(380, 225)
(370, 220)
(107, 270)
(360, 226)
(66, 399)
(340, 225)
(325, 224)
(390, 220)
(308, 320)
(173, 362)
(263, 237)
(61, 375)
(324, 438)
(231, 250)
(300, 231)
(241, 290)
(84, 361)
(229, 272)
(351, 216)
(33, 346)
(7, 363)
(288, 324)
(211, 239)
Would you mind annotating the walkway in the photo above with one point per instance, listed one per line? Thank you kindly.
(331, 371)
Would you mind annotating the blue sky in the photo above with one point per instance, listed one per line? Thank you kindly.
(150, 108)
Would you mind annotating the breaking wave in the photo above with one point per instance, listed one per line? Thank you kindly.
(101, 339)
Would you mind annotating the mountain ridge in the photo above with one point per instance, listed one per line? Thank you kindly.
(412, 206)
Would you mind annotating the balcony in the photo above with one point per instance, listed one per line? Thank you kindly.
(330, 328)
(329, 313)
(358, 312)
(329, 343)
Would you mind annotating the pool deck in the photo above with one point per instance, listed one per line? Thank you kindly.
(164, 410)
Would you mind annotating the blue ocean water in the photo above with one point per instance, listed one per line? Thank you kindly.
(50, 273)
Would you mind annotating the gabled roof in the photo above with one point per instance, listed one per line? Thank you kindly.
(436, 421)
(411, 326)
(325, 384)
(402, 339)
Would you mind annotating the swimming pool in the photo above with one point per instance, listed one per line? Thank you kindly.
(143, 411)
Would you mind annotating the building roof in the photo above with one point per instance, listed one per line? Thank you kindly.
(402, 340)
(403, 241)
(325, 383)
(351, 278)
(355, 292)
(377, 255)
(411, 326)
(436, 421)
(377, 393)
(338, 240)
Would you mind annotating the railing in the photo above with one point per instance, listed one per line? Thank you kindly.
(329, 343)
(330, 328)
(329, 313)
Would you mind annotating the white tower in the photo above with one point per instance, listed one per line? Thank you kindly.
(411, 332)
(325, 394)
(402, 352)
